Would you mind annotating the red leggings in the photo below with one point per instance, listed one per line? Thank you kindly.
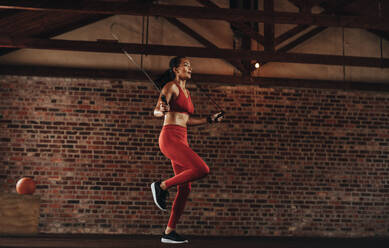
(187, 166)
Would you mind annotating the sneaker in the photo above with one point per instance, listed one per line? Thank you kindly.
(159, 195)
(173, 238)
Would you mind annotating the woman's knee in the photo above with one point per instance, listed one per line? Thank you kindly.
(204, 170)
(184, 188)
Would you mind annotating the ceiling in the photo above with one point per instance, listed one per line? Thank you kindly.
(31, 24)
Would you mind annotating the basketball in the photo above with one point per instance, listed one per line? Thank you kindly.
(25, 185)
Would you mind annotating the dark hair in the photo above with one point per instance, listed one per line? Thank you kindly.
(169, 74)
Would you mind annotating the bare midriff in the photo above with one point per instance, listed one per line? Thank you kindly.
(176, 118)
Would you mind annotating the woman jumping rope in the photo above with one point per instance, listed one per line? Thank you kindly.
(175, 105)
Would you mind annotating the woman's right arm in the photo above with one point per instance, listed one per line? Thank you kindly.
(162, 106)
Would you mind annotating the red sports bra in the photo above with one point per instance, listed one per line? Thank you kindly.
(182, 104)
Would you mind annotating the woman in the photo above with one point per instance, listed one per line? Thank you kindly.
(175, 105)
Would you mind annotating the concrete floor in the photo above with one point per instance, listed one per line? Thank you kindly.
(119, 241)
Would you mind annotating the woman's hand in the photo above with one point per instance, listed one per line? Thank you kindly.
(164, 107)
(218, 117)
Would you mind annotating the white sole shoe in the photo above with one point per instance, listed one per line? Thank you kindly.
(169, 241)
(155, 196)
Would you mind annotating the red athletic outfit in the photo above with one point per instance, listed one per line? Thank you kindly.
(187, 165)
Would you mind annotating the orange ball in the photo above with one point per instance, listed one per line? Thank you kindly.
(25, 185)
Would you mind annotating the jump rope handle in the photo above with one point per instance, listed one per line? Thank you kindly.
(163, 98)
(220, 115)
(210, 120)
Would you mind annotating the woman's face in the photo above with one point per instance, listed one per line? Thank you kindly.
(184, 70)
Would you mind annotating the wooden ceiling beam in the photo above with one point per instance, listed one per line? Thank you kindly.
(199, 52)
(232, 15)
(241, 27)
(56, 28)
(301, 39)
(342, 11)
(290, 33)
(184, 28)
(301, 28)
(268, 30)
(132, 75)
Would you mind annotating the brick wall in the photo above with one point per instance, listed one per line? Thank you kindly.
(301, 162)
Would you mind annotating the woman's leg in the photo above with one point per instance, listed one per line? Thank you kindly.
(187, 166)
(194, 167)
(174, 145)
(179, 203)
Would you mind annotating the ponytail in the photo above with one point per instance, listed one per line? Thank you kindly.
(165, 78)
(169, 74)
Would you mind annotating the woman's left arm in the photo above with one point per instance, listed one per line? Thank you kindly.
(195, 121)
